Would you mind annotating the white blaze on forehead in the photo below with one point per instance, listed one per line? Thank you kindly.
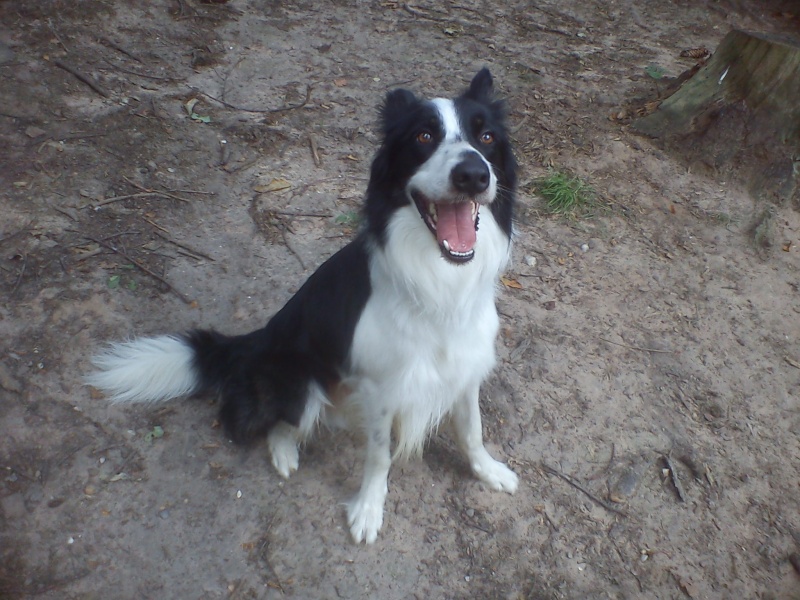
(449, 117)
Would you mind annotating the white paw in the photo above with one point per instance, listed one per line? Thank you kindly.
(495, 474)
(283, 448)
(365, 517)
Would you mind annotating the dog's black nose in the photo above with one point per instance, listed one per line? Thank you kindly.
(471, 175)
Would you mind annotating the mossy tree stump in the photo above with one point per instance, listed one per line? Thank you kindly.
(739, 115)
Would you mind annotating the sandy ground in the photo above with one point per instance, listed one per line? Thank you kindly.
(667, 353)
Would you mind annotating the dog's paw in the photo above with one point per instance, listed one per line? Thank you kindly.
(495, 474)
(365, 518)
(285, 457)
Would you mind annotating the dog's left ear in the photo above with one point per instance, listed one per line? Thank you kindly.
(480, 89)
(396, 102)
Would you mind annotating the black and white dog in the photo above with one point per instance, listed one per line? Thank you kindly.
(392, 334)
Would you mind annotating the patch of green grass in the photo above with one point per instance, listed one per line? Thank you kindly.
(351, 218)
(762, 229)
(566, 195)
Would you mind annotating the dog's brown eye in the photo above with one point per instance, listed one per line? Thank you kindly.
(487, 137)
(425, 137)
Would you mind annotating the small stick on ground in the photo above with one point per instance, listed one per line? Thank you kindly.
(21, 273)
(166, 193)
(141, 267)
(258, 111)
(608, 465)
(58, 37)
(180, 245)
(550, 470)
(287, 213)
(673, 474)
(129, 196)
(132, 72)
(283, 229)
(312, 142)
(81, 77)
(637, 347)
(118, 48)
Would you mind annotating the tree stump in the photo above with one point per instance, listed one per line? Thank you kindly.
(739, 115)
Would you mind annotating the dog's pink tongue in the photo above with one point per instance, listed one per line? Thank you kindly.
(454, 223)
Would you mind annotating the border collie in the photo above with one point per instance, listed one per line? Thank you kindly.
(393, 334)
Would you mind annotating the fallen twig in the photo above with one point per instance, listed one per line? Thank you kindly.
(140, 266)
(118, 48)
(314, 150)
(55, 33)
(550, 470)
(137, 74)
(180, 245)
(637, 347)
(257, 111)
(287, 213)
(417, 12)
(80, 76)
(21, 273)
(166, 193)
(673, 474)
(283, 229)
(129, 196)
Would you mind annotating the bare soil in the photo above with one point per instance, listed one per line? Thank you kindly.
(647, 389)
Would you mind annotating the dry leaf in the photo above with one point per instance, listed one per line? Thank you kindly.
(340, 82)
(275, 185)
(511, 283)
(792, 362)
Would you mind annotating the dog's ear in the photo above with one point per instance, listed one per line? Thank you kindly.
(396, 102)
(480, 89)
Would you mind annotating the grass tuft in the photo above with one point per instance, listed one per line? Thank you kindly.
(566, 195)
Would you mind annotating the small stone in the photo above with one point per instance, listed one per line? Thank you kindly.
(530, 261)
(34, 132)
(584, 247)
(164, 514)
(470, 512)
(90, 490)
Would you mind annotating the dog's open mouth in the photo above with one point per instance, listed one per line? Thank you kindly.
(455, 225)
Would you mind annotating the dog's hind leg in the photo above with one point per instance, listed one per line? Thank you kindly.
(365, 511)
(469, 430)
(284, 438)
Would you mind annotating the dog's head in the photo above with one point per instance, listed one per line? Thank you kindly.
(447, 158)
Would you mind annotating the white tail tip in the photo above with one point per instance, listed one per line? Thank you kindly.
(145, 370)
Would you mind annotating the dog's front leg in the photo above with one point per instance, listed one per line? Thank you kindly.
(469, 431)
(365, 511)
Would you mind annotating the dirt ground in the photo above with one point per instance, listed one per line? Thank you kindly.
(647, 388)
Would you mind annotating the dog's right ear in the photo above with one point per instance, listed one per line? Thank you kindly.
(396, 102)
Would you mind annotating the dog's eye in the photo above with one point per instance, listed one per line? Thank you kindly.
(487, 137)
(424, 137)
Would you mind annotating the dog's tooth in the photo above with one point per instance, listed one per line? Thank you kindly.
(446, 245)
(474, 209)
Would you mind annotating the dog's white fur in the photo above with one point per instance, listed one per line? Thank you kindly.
(145, 370)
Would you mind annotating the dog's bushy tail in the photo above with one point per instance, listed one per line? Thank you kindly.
(256, 387)
(146, 370)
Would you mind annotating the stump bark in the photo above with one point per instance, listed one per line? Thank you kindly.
(739, 115)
